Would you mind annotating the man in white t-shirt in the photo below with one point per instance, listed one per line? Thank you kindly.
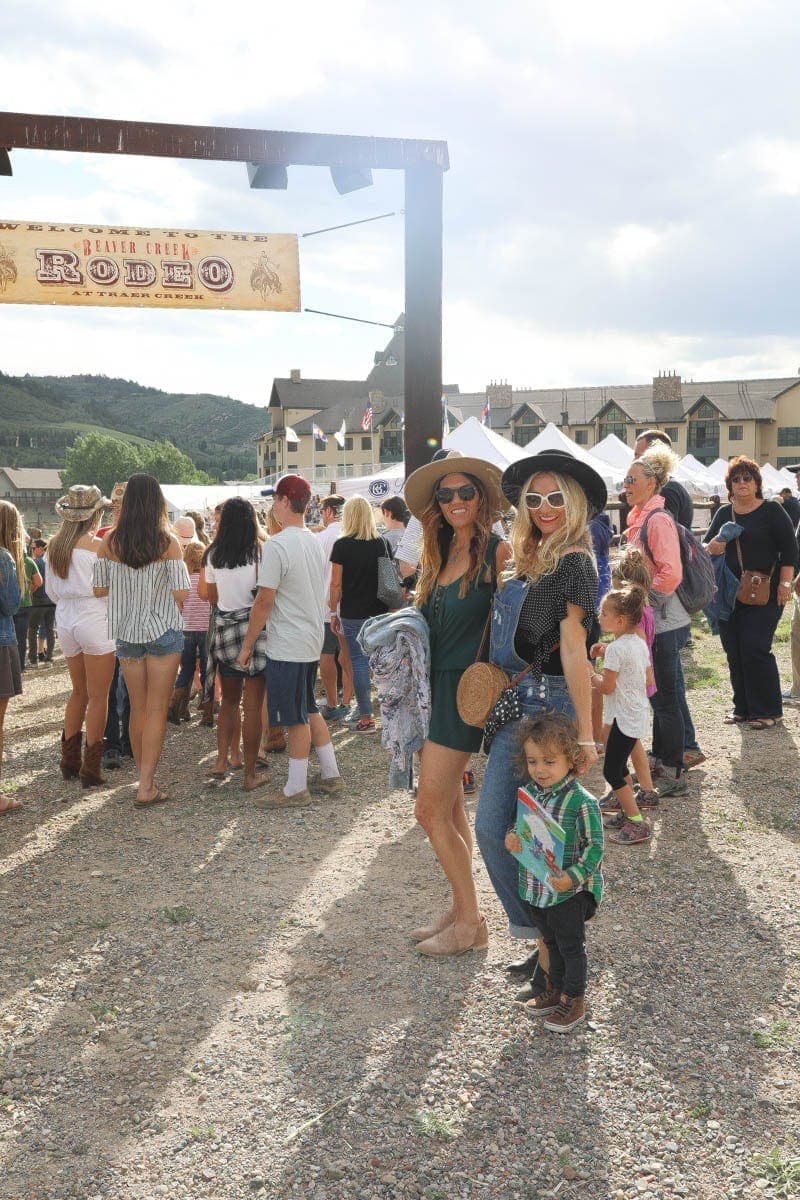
(290, 602)
(333, 711)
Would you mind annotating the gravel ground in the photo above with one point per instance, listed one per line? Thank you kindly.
(207, 1000)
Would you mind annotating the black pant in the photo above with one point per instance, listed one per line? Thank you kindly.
(119, 714)
(41, 614)
(562, 927)
(21, 619)
(618, 751)
(747, 642)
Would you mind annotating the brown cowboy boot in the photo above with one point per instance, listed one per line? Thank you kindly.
(71, 755)
(176, 703)
(183, 707)
(207, 713)
(90, 767)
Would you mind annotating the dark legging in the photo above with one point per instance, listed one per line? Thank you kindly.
(618, 751)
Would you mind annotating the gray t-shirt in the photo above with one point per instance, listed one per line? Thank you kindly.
(293, 564)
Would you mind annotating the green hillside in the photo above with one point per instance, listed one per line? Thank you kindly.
(41, 416)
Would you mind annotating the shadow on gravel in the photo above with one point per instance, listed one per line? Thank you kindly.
(765, 779)
(126, 936)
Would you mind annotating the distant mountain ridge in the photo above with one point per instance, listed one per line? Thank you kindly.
(41, 416)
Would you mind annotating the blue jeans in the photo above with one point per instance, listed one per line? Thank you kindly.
(360, 663)
(194, 648)
(669, 702)
(170, 642)
(497, 806)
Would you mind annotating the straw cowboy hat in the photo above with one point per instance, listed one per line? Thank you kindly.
(80, 502)
(421, 484)
(556, 462)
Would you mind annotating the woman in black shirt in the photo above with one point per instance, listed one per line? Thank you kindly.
(354, 593)
(767, 544)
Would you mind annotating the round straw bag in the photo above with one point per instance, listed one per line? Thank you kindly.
(479, 689)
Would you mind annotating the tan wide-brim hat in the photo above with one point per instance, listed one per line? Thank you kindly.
(80, 502)
(421, 484)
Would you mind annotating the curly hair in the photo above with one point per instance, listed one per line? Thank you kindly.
(437, 534)
(533, 558)
(193, 556)
(627, 602)
(740, 466)
(658, 462)
(631, 568)
(552, 730)
(12, 539)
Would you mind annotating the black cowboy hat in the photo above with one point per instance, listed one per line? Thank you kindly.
(557, 462)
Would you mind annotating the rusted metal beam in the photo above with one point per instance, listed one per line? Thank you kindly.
(94, 135)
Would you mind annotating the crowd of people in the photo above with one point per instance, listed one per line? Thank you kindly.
(511, 568)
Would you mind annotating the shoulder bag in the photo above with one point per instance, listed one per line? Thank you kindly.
(390, 589)
(754, 586)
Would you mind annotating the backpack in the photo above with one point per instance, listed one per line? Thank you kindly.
(698, 586)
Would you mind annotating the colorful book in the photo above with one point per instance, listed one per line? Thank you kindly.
(538, 833)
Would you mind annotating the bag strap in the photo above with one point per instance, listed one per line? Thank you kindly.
(739, 554)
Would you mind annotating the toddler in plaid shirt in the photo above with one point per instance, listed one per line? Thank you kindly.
(550, 754)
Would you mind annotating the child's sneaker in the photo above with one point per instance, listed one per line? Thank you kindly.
(570, 1012)
(645, 798)
(673, 782)
(632, 833)
(365, 725)
(468, 783)
(614, 820)
(543, 1004)
(609, 803)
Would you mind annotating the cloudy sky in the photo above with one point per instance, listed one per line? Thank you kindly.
(624, 195)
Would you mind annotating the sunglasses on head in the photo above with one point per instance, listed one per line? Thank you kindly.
(744, 477)
(446, 495)
(535, 500)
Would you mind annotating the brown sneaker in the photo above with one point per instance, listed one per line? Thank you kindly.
(570, 1011)
(543, 1004)
(279, 800)
(328, 787)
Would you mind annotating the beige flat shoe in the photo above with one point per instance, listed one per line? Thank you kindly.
(428, 931)
(447, 943)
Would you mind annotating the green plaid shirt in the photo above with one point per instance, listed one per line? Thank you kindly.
(577, 812)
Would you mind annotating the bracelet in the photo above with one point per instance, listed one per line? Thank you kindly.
(592, 743)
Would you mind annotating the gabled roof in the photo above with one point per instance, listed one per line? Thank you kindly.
(34, 479)
(388, 373)
(315, 394)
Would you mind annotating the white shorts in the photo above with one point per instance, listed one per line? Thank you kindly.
(83, 630)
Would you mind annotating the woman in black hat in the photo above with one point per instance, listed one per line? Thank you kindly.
(542, 615)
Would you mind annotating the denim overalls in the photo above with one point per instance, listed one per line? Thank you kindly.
(497, 807)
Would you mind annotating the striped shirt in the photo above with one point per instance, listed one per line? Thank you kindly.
(196, 612)
(578, 814)
(141, 606)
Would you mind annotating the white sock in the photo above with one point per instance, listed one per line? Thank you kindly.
(327, 760)
(298, 776)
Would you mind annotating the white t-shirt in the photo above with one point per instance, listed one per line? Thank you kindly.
(293, 564)
(628, 703)
(327, 537)
(235, 585)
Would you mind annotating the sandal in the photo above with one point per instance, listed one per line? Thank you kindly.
(734, 719)
(764, 723)
(159, 798)
(9, 805)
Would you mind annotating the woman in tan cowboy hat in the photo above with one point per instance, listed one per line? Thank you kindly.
(456, 500)
(82, 626)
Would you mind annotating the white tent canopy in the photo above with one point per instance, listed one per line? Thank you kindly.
(551, 438)
(203, 498)
(612, 450)
(478, 441)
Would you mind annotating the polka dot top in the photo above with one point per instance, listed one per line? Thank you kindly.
(574, 581)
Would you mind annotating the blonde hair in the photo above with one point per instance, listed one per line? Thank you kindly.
(533, 557)
(358, 519)
(658, 462)
(437, 534)
(11, 538)
(62, 543)
(631, 568)
(193, 556)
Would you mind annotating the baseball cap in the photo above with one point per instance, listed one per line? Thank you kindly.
(294, 487)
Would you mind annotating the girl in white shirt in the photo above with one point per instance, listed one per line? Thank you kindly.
(626, 676)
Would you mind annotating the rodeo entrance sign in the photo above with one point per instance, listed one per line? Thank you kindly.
(135, 267)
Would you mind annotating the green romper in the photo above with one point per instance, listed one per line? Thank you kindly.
(456, 626)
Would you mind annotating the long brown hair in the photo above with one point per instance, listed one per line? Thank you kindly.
(11, 539)
(141, 535)
(62, 543)
(437, 535)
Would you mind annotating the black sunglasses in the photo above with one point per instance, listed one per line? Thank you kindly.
(446, 495)
(745, 477)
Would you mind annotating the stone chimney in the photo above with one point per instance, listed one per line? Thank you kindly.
(294, 375)
(499, 393)
(666, 386)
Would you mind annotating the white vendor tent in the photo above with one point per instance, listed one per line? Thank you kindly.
(203, 498)
(551, 438)
(478, 441)
(719, 468)
(774, 481)
(697, 478)
(612, 450)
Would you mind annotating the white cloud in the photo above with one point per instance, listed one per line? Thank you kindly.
(634, 246)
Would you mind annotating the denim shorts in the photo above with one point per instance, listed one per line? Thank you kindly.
(170, 642)
(290, 692)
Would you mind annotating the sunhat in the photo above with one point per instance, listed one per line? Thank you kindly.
(420, 485)
(556, 462)
(80, 502)
(118, 492)
(185, 530)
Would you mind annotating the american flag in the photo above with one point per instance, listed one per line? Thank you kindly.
(486, 413)
(319, 435)
(366, 420)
